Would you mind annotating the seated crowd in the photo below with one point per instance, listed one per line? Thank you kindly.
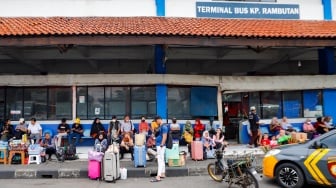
(282, 132)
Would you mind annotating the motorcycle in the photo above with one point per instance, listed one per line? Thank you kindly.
(237, 170)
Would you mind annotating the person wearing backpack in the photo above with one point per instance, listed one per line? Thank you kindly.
(160, 143)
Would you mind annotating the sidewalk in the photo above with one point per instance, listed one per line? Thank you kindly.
(78, 168)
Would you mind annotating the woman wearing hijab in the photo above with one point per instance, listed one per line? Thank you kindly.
(96, 128)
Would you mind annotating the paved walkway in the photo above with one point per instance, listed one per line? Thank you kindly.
(78, 168)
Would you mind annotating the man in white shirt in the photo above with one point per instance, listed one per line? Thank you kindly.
(35, 130)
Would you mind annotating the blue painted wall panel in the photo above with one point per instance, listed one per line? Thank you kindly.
(203, 101)
(329, 103)
(161, 98)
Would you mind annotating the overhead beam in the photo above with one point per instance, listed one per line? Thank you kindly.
(169, 40)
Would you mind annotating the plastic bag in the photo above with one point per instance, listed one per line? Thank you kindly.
(96, 156)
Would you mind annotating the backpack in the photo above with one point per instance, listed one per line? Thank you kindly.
(169, 140)
(70, 152)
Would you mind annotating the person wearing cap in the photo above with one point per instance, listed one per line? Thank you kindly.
(113, 132)
(76, 131)
(160, 143)
(254, 127)
(20, 129)
(174, 128)
(143, 126)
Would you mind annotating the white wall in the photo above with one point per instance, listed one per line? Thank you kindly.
(72, 8)
(309, 9)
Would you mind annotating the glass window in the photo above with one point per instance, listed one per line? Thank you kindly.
(143, 102)
(2, 104)
(82, 102)
(96, 102)
(116, 98)
(254, 100)
(329, 141)
(60, 103)
(179, 103)
(292, 104)
(271, 104)
(312, 103)
(14, 106)
(35, 103)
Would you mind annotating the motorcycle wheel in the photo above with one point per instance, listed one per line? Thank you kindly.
(215, 172)
(249, 181)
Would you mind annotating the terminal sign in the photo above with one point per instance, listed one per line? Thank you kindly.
(247, 10)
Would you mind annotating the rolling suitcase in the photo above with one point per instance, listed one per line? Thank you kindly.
(197, 150)
(139, 156)
(94, 169)
(111, 166)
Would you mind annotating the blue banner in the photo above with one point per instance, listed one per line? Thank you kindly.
(247, 10)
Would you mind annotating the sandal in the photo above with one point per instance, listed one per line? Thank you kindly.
(155, 180)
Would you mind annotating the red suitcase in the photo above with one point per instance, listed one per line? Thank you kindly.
(197, 150)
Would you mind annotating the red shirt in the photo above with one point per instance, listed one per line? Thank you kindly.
(265, 142)
(198, 130)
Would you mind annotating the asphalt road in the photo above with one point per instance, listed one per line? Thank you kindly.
(178, 182)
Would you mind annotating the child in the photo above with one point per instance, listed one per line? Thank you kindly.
(273, 142)
(265, 142)
(282, 137)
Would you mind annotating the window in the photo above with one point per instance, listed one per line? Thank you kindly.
(35, 103)
(143, 102)
(96, 102)
(14, 103)
(312, 103)
(60, 103)
(116, 101)
(271, 104)
(81, 101)
(254, 99)
(329, 141)
(2, 104)
(179, 103)
(292, 101)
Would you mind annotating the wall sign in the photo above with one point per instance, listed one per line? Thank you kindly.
(247, 10)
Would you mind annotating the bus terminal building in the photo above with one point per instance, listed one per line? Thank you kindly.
(185, 59)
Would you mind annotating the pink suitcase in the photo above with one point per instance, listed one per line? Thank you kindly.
(94, 169)
(197, 150)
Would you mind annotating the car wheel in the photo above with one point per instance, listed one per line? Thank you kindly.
(289, 175)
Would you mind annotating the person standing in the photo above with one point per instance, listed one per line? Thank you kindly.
(254, 128)
(35, 130)
(160, 143)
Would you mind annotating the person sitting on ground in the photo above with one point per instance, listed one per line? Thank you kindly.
(309, 129)
(35, 130)
(282, 137)
(113, 132)
(320, 126)
(198, 130)
(265, 142)
(207, 141)
(218, 138)
(20, 129)
(275, 126)
(285, 125)
(49, 144)
(100, 143)
(63, 130)
(151, 147)
(174, 128)
(96, 128)
(127, 145)
(273, 142)
(6, 131)
(76, 131)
